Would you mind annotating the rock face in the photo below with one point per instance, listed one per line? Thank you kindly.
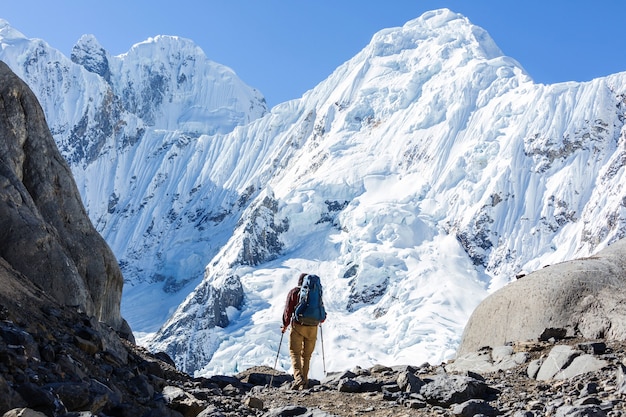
(45, 234)
(584, 297)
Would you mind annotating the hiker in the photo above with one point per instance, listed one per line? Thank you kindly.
(303, 334)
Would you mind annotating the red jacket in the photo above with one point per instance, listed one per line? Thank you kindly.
(290, 306)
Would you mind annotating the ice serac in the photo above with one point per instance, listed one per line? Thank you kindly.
(46, 235)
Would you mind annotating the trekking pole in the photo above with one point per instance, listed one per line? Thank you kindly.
(276, 361)
(323, 356)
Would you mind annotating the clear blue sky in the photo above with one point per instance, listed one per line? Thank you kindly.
(286, 47)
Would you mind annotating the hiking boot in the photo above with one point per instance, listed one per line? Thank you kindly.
(296, 386)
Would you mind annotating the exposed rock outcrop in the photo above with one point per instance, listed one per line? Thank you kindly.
(58, 362)
(584, 297)
(46, 236)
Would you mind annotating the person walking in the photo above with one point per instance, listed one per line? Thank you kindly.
(302, 337)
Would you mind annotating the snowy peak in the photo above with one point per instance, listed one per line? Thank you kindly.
(9, 35)
(444, 31)
(406, 66)
(7, 31)
(95, 102)
(91, 55)
(130, 126)
(350, 191)
(170, 83)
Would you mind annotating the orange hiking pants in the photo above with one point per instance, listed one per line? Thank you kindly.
(301, 345)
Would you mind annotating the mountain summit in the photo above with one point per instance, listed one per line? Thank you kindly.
(424, 173)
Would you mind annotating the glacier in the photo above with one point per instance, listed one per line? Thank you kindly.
(426, 172)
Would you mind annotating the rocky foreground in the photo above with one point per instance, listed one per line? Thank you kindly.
(61, 363)
(550, 378)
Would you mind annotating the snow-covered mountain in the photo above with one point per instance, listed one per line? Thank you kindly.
(130, 126)
(424, 173)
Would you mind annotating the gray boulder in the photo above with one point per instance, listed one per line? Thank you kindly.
(580, 411)
(581, 365)
(559, 358)
(409, 382)
(564, 362)
(472, 408)
(488, 360)
(447, 389)
(578, 295)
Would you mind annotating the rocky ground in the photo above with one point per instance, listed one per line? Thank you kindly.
(508, 392)
(58, 362)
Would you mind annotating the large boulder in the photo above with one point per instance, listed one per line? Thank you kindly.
(46, 236)
(585, 297)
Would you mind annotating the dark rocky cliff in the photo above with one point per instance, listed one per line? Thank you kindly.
(46, 236)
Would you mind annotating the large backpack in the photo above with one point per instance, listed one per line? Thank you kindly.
(310, 308)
